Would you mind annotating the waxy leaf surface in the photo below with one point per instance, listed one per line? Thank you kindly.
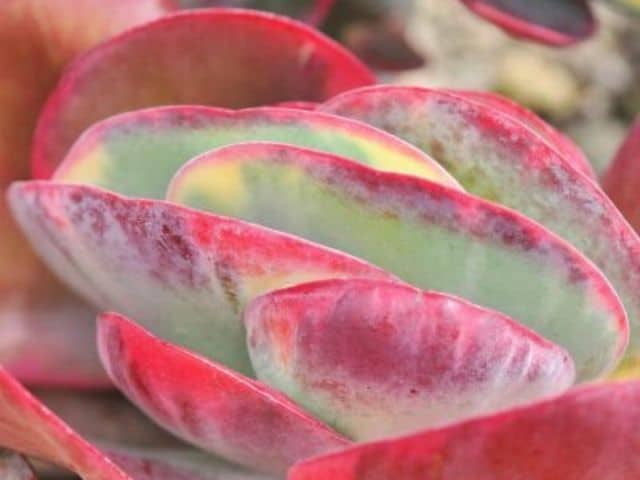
(207, 404)
(376, 359)
(223, 57)
(553, 22)
(429, 235)
(28, 427)
(563, 145)
(590, 433)
(501, 159)
(32, 429)
(184, 274)
(138, 153)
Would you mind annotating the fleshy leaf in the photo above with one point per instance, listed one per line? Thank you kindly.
(622, 177)
(14, 467)
(429, 235)
(223, 57)
(555, 139)
(184, 274)
(498, 158)
(161, 140)
(30, 428)
(590, 433)
(375, 359)
(207, 404)
(552, 22)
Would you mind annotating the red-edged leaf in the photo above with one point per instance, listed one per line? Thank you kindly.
(556, 139)
(184, 274)
(623, 176)
(376, 359)
(229, 58)
(207, 404)
(431, 236)
(588, 434)
(500, 158)
(137, 153)
(28, 427)
(14, 467)
(553, 22)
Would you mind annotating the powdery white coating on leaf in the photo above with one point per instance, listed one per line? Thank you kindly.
(184, 274)
(590, 433)
(137, 153)
(208, 405)
(429, 235)
(376, 359)
(500, 159)
(554, 138)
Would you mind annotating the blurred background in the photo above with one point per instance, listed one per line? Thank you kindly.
(590, 90)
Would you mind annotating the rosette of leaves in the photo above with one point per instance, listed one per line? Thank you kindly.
(319, 278)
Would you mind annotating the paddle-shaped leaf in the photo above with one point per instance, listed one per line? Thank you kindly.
(376, 359)
(499, 158)
(429, 235)
(207, 404)
(184, 274)
(589, 433)
(138, 153)
(563, 145)
(553, 22)
(30, 428)
(224, 57)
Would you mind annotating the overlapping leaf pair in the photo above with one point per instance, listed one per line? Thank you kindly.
(314, 273)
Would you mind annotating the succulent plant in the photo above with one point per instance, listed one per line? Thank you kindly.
(318, 277)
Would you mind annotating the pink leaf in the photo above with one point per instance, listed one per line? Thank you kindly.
(376, 359)
(207, 404)
(223, 57)
(588, 434)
